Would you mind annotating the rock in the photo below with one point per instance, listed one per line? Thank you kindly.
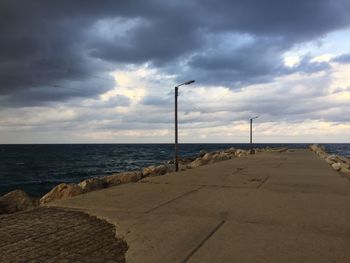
(210, 158)
(154, 170)
(214, 158)
(258, 150)
(316, 148)
(313, 147)
(182, 160)
(61, 191)
(319, 150)
(122, 178)
(92, 184)
(186, 160)
(252, 151)
(217, 157)
(279, 150)
(230, 151)
(207, 156)
(241, 152)
(336, 166)
(322, 154)
(16, 201)
(332, 158)
(202, 153)
(345, 170)
(282, 150)
(341, 159)
(198, 162)
(339, 166)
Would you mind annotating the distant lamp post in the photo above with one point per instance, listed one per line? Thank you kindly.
(251, 133)
(176, 137)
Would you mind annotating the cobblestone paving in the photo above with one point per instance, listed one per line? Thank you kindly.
(56, 235)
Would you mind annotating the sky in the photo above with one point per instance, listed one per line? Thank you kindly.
(104, 71)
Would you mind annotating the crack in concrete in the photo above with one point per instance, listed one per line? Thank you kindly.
(204, 240)
(174, 199)
(264, 181)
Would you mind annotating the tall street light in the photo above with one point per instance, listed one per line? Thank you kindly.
(251, 133)
(176, 139)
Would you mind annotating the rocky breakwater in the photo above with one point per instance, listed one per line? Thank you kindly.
(338, 163)
(18, 200)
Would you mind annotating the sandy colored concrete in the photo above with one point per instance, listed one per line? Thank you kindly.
(269, 207)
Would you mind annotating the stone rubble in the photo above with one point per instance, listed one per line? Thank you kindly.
(338, 163)
(61, 191)
(122, 178)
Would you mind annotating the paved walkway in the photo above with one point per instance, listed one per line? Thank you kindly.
(271, 207)
(55, 235)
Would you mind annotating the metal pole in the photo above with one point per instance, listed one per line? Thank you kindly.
(176, 141)
(251, 135)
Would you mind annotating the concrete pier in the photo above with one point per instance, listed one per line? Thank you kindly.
(268, 207)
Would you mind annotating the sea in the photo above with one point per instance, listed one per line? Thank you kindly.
(37, 168)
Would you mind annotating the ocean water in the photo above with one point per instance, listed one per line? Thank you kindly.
(38, 168)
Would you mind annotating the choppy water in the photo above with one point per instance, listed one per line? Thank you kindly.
(37, 168)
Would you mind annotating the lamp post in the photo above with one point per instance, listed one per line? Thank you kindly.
(251, 133)
(176, 137)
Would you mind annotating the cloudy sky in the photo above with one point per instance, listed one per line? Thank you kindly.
(104, 71)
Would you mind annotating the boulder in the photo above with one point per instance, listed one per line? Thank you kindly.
(313, 147)
(345, 170)
(122, 178)
(342, 159)
(339, 166)
(198, 162)
(207, 157)
(319, 150)
(322, 154)
(336, 166)
(210, 158)
(217, 157)
(92, 184)
(182, 160)
(332, 158)
(154, 170)
(282, 150)
(186, 160)
(202, 153)
(267, 149)
(61, 191)
(258, 150)
(230, 151)
(16, 201)
(241, 152)
(279, 150)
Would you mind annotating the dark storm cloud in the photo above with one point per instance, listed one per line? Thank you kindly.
(53, 50)
(294, 20)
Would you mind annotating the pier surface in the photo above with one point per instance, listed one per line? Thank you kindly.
(268, 207)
